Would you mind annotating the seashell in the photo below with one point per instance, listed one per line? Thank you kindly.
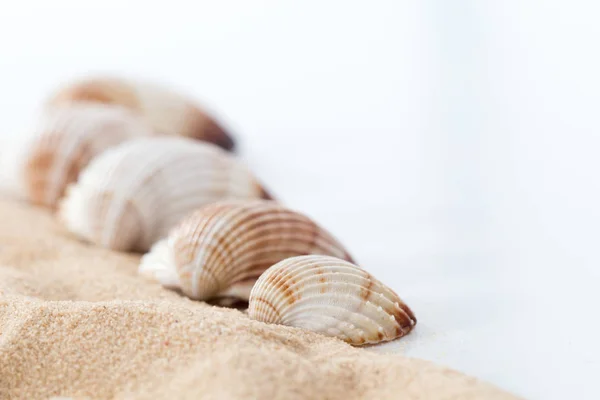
(220, 250)
(63, 142)
(131, 195)
(165, 110)
(330, 296)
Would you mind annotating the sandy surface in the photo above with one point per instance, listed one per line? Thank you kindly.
(76, 321)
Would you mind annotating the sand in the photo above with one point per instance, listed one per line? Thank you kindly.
(76, 322)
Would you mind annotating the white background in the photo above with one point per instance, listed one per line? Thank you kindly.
(452, 145)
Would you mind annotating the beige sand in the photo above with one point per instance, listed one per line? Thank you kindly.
(76, 321)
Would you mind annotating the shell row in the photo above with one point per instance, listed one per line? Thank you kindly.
(164, 110)
(119, 160)
(330, 296)
(131, 195)
(221, 249)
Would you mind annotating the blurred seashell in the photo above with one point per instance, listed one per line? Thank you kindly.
(221, 249)
(330, 296)
(131, 195)
(63, 142)
(165, 110)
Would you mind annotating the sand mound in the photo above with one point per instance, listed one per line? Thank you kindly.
(76, 321)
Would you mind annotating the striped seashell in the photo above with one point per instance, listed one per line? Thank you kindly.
(165, 110)
(332, 297)
(220, 250)
(64, 141)
(132, 195)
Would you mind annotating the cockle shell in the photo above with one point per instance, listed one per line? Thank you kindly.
(165, 110)
(131, 195)
(63, 142)
(330, 296)
(221, 249)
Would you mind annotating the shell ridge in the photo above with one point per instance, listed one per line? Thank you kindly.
(312, 291)
(275, 313)
(200, 260)
(258, 230)
(344, 330)
(236, 217)
(359, 321)
(258, 241)
(333, 297)
(358, 277)
(219, 251)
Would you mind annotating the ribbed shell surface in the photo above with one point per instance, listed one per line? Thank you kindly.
(165, 110)
(222, 248)
(330, 296)
(130, 196)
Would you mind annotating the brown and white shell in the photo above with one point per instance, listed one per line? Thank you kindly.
(221, 249)
(165, 110)
(330, 296)
(133, 194)
(63, 142)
